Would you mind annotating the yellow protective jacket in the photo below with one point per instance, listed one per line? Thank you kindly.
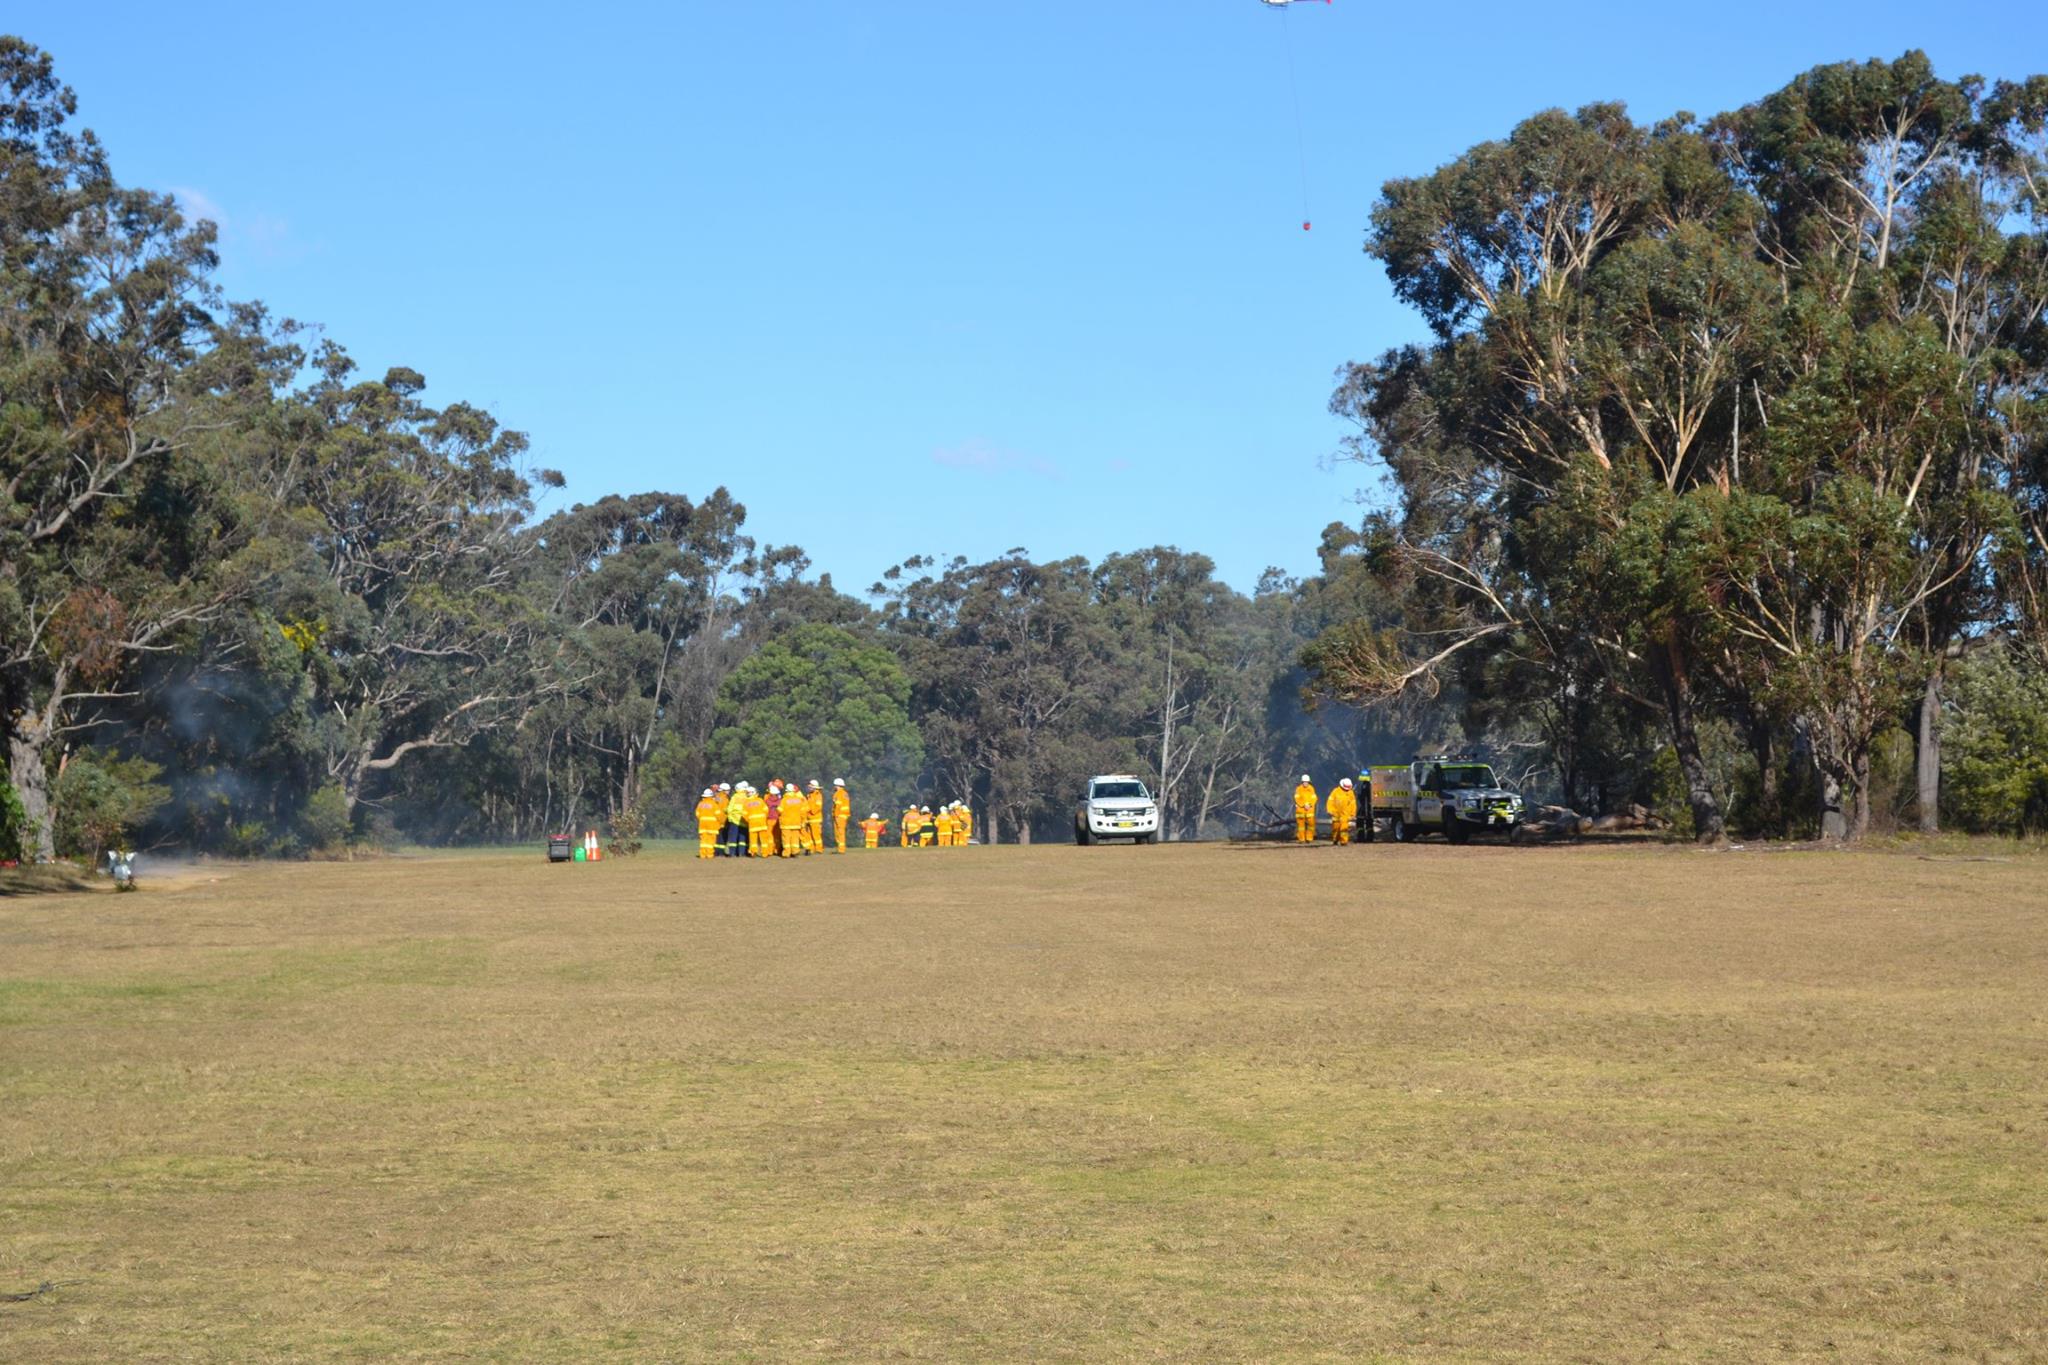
(1343, 806)
(1304, 800)
(874, 830)
(710, 814)
(736, 810)
(757, 813)
(790, 814)
(842, 804)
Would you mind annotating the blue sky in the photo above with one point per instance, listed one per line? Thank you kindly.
(906, 277)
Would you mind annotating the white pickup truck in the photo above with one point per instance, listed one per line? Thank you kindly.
(1454, 797)
(1117, 806)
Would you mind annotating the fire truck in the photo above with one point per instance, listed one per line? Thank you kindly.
(1453, 795)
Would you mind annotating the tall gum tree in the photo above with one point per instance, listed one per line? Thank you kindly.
(104, 305)
(1733, 411)
(409, 605)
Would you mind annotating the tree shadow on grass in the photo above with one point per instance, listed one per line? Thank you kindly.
(45, 879)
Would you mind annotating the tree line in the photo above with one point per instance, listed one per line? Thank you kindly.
(1731, 434)
(1724, 467)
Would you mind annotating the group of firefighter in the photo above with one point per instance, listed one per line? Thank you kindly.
(736, 820)
(1344, 808)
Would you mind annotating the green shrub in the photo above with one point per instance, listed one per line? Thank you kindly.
(13, 825)
(1994, 735)
(248, 839)
(325, 821)
(100, 800)
(1670, 800)
(625, 841)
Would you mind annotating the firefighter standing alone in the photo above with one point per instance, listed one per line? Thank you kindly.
(1305, 811)
(1343, 813)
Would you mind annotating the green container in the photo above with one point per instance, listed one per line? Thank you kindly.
(582, 855)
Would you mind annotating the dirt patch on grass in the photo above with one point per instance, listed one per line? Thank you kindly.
(1048, 1103)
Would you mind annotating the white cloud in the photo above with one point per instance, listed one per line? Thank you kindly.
(197, 204)
(979, 455)
(262, 235)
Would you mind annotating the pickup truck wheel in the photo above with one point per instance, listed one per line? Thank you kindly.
(1399, 829)
(1146, 838)
(1456, 830)
(1081, 835)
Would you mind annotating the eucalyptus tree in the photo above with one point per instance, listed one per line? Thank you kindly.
(1013, 675)
(819, 702)
(111, 545)
(1718, 415)
(408, 604)
(646, 591)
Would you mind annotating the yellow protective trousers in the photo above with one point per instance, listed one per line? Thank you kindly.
(839, 834)
(1304, 827)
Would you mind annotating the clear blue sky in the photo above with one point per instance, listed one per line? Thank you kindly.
(906, 277)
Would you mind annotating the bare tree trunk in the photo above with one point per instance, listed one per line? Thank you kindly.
(1164, 794)
(352, 778)
(1763, 745)
(32, 784)
(1707, 822)
(1834, 826)
(1859, 771)
(1927, 757)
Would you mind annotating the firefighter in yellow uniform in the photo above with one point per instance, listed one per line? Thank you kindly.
(964, 831)
(735, 820)
(1305, 811)
(873, 828)
(906, 832)
(774, 795)
(942, 826)
(814, 818)
(791, 817)
(926, 829)
(758, 843)
(1343, 813)
(710, 819)
(842, 811)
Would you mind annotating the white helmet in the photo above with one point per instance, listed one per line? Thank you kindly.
(707, 791)
(814, 784)
(1304, 777)
(837, 782)
(874, 815)
(1345, 783)
(924, 810)
(725, 786)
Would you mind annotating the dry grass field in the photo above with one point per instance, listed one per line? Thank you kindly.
(1198, 1103)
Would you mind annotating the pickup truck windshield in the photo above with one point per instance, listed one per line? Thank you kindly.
(1118, 791)
(1465, 775)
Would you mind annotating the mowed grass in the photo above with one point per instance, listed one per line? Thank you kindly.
(1048, 1103)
